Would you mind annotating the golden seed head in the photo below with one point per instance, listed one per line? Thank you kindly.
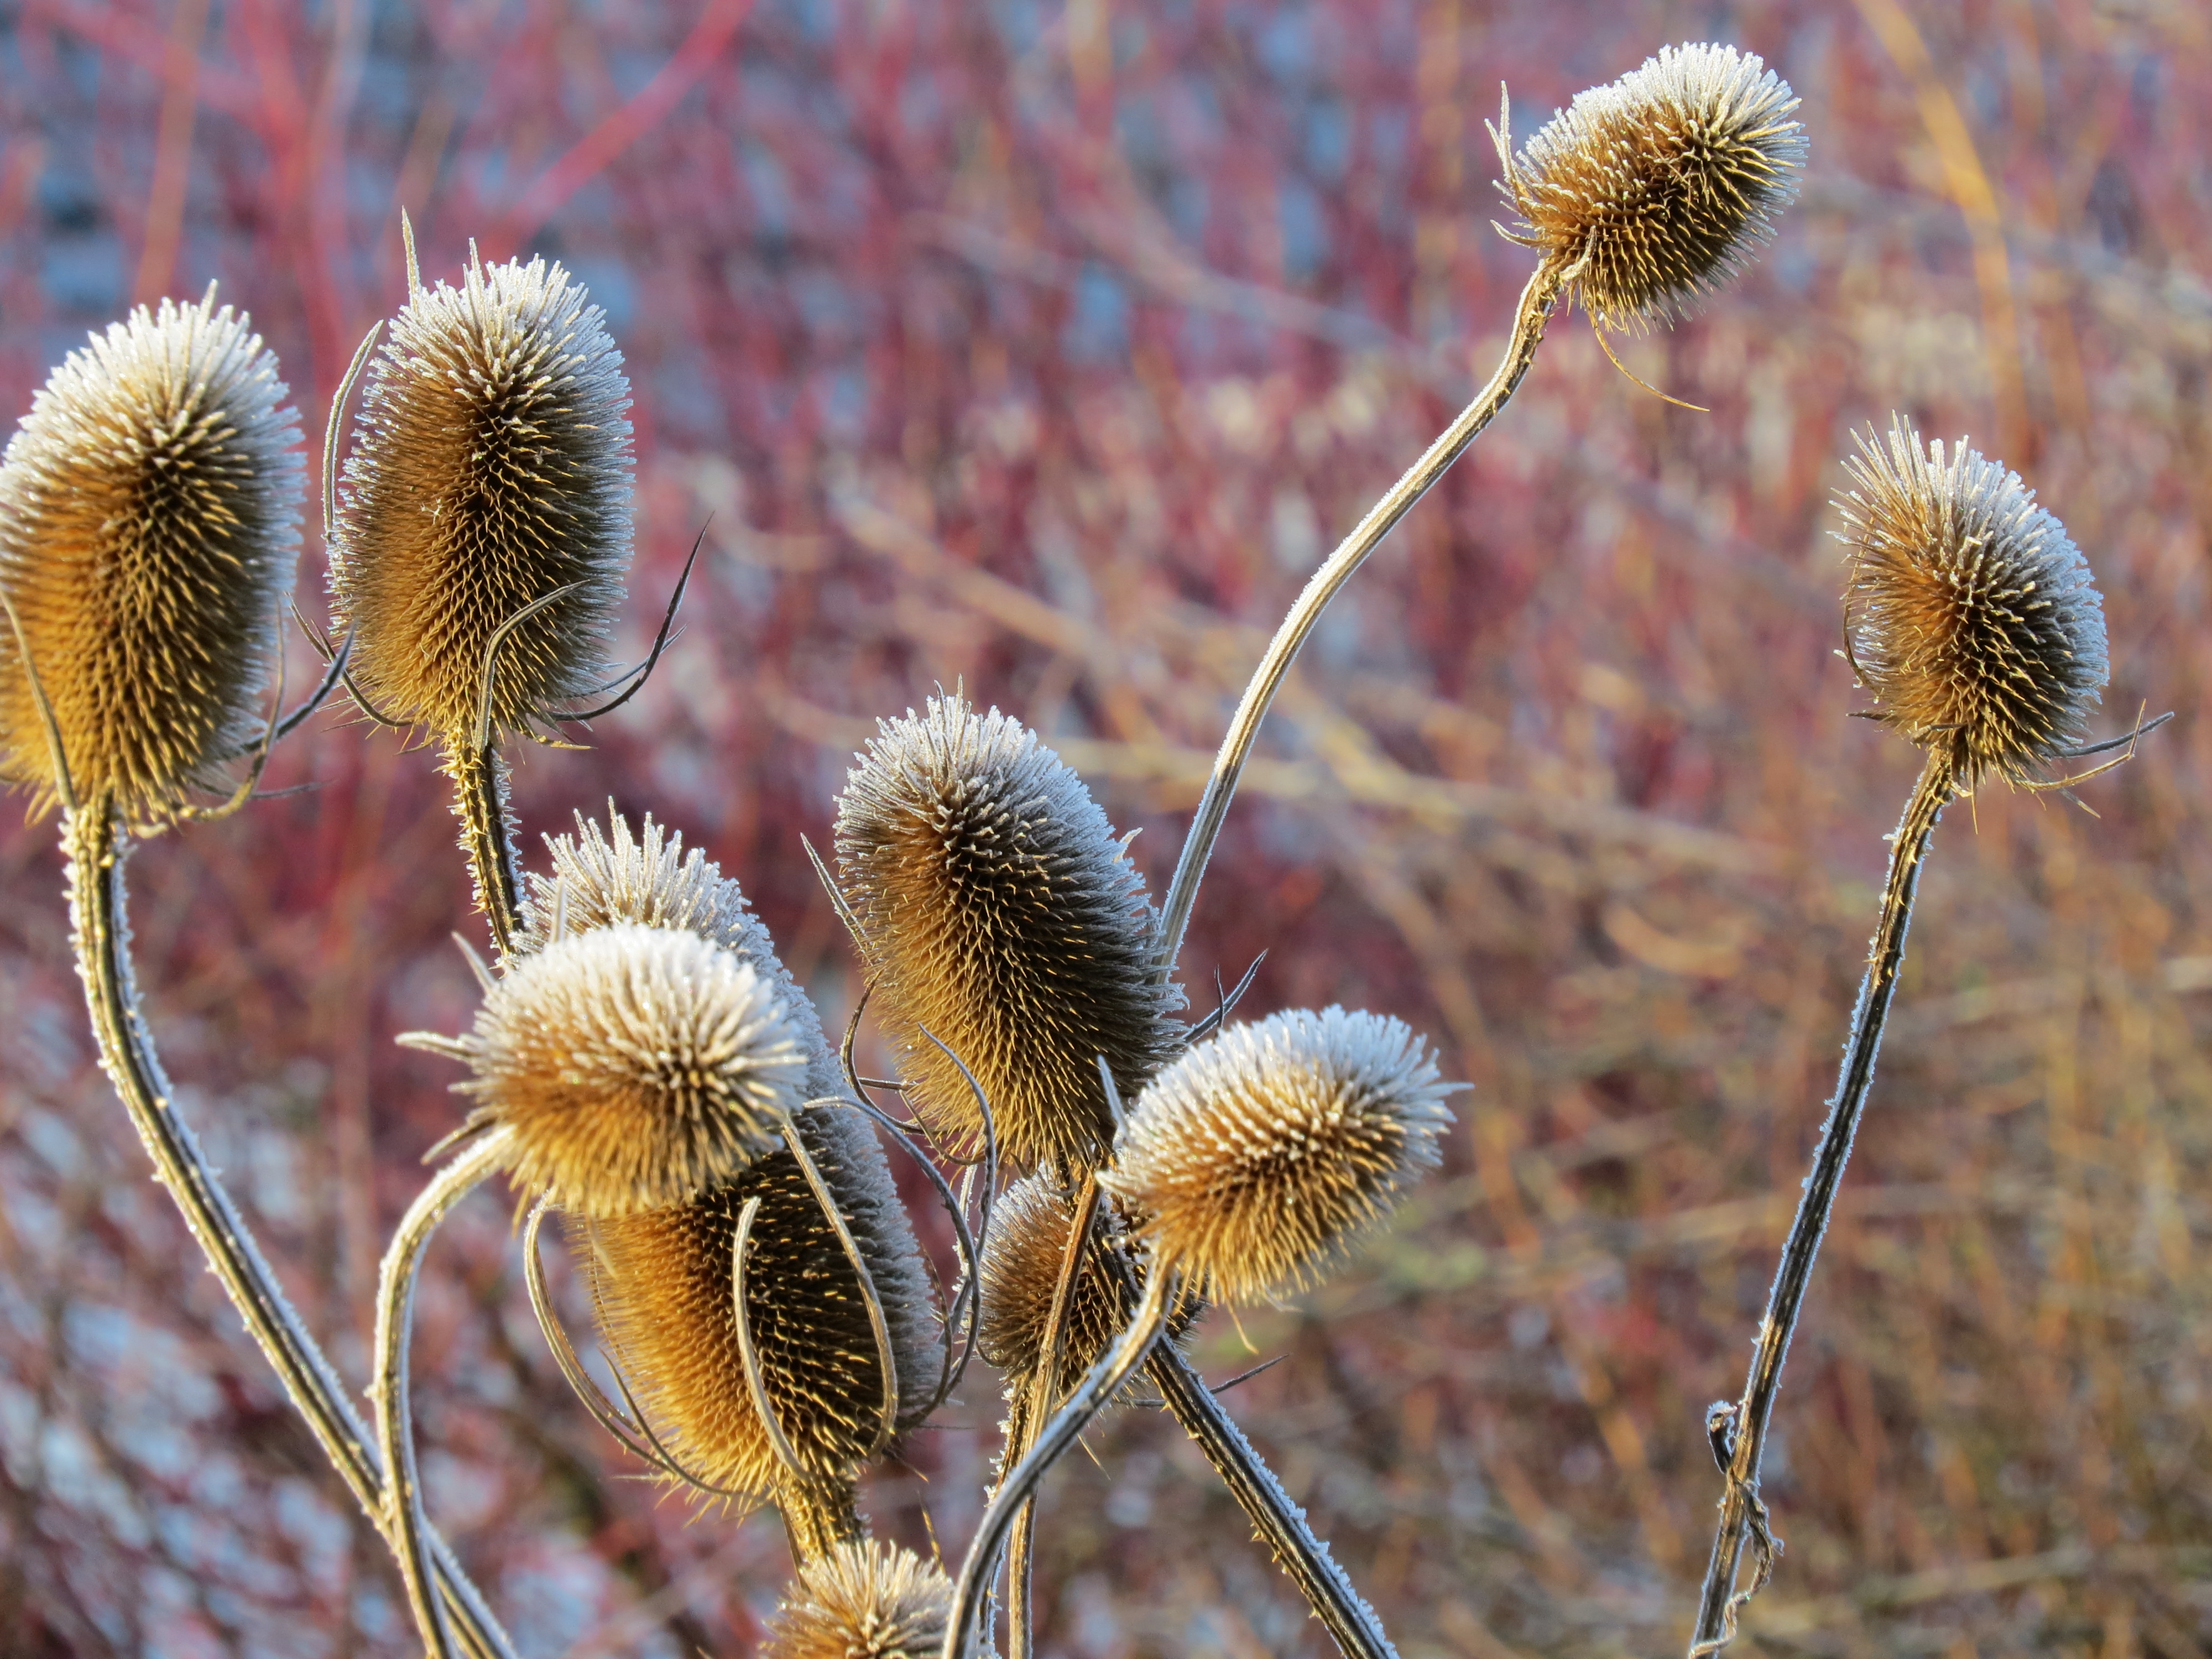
(1662, 184)
(637, 1066)
(1257, 1158)
(863, 1600)
(1021, 1272)
(1970, 613)
(493, 467)
(662, 1282)
(1000, 912)
(150, 519)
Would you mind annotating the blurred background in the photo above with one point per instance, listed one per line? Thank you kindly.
(1045, 349)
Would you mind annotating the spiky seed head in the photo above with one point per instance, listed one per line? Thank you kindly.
(149, 519)
(863, 1600)
(637, 1066)
(1021, 1273)
(1970, 613)
(1257, 1158)
(1663, 183)
(999, 912)
(493, 467)
(662, 1282)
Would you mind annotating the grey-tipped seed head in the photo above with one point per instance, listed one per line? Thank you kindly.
(493, 468)
(862, 1600)
(662, 1282)
(1662, 184)
(999, 911)
(1970, 613)
(1256, 1160)
(149, 521)
(636, 1066)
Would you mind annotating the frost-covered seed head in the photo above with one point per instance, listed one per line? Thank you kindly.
(149, 519)
(863, 1600)
(1971, 613)
(999, 912)
(1664, 184)
(1257, 1158)
(494, 466)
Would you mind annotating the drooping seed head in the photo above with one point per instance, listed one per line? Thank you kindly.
(1256, 1159)
(999, 911)
(636, 1066)
(149, 519)
(863, 1600)
(663, 1280)
(1663, 183)
(1970, 613)
(493, 468)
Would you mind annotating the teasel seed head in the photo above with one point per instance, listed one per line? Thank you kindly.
(662, 1282)
(1661, 183)
(1970, 614)
(1022, 1260)
(999, 912)
(1256, 1159)
(493, 468)
(637, 1066)
(863, 1600)
(149, 519)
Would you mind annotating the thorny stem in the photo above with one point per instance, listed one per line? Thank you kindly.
(479, 777)
(388, 1385)
(1743, 1515)
(1545, 287)
(95, 848)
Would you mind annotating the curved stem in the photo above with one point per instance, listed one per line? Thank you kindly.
(95, 848)
(1530, 318)
(479, 777)
(1091, 1396)
(1741, 1430)
(388, 1385)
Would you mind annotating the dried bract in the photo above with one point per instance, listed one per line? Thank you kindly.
(637, 1066)
(863, 1600)
(999, 911)
(494, 467)
(1970, 613)
(1661, 184)
(1255, 1159)
(149, 519)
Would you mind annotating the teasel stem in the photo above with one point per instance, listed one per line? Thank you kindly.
(479, 776)
(1543, 292)
(95, 847)
(1739, 1431)
(388, 1385)
(1089, 1398)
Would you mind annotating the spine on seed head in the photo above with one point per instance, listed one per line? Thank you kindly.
(863, 1600)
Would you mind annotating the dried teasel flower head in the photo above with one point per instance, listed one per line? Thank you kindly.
(662, 1282)
(999, 911)
(150, 519)
(863, 1600)
(637, 1067)
(492, 469)
(1662, 184)
(1021, 1274)
(1969, 611)
(1257, 1158)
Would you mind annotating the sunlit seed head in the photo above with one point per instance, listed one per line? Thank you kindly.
(636, 1066)
(1257, 1158)
(1663, 183)
(493, 468)
(1970, 613)
(1001, 913)
(662, 1281)
(149, 521)
(863, 1600)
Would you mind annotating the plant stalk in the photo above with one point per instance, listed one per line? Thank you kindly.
(1743, 1515)
(480, 803)
(95, 847)
(1534, 312)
